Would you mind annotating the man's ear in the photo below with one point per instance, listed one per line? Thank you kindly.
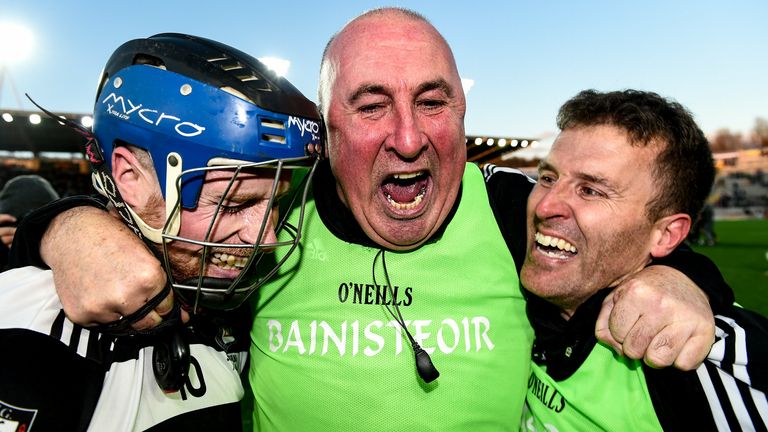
(669, 232)
(131, 178)
(324, 134)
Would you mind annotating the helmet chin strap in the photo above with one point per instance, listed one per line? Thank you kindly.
(173, 217)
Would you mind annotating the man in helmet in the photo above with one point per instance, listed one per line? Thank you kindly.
(193, 144)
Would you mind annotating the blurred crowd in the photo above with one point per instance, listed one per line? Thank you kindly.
(741, 195)
(23, 190)
(65, 179)
(735, 195)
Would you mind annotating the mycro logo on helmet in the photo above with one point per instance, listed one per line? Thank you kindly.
(151, 116)
(305, 125)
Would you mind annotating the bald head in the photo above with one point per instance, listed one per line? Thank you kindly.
(365, 29)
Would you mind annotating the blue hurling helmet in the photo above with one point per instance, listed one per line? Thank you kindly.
(196, 105)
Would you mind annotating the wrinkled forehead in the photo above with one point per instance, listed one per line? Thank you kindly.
(602, 154)
(391, 51)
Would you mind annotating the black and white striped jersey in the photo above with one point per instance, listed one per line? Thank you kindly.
(56, 375)
(728, 391)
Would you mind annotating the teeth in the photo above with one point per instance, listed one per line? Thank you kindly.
(228, 262)
(550, 241)
(406, 206)
(416, 200)
(406, 176)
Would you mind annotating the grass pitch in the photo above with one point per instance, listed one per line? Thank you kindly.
(741, 253)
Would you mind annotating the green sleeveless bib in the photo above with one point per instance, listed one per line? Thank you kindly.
(327, 356)
(607, 393)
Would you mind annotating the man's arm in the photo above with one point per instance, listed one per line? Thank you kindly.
(660, 316)
(26, 245)
(102, 270)
(664, 313)
(729, 390)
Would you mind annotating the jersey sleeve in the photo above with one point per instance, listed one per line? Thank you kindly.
(508, 191)
(25, 250)
(738, 360)
(51, 371)
(728, 391)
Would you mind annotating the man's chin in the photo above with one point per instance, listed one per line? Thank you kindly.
(403, 234)
(404, 240)
(533, 280)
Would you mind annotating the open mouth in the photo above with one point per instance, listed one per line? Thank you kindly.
(406, 191)
(554, 247)
(227, 261)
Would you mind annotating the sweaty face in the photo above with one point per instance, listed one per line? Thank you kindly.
(236, 222)
(396, 132)
(587, 225)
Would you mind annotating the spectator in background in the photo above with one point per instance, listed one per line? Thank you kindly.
(19, 196)
(706, 226)
(703, 230)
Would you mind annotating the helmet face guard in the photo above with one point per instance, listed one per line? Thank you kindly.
(256, 260)
(199, 107)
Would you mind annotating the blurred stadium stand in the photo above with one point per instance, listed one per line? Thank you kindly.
(53, 151)
(44, 147)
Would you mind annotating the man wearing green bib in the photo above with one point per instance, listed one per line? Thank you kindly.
(621, 186)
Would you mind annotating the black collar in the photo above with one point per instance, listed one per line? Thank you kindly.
(340, 220)
(563, 345)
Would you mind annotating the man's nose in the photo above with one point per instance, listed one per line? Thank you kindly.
(408, 138)
(249, 230)
(553, 202)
